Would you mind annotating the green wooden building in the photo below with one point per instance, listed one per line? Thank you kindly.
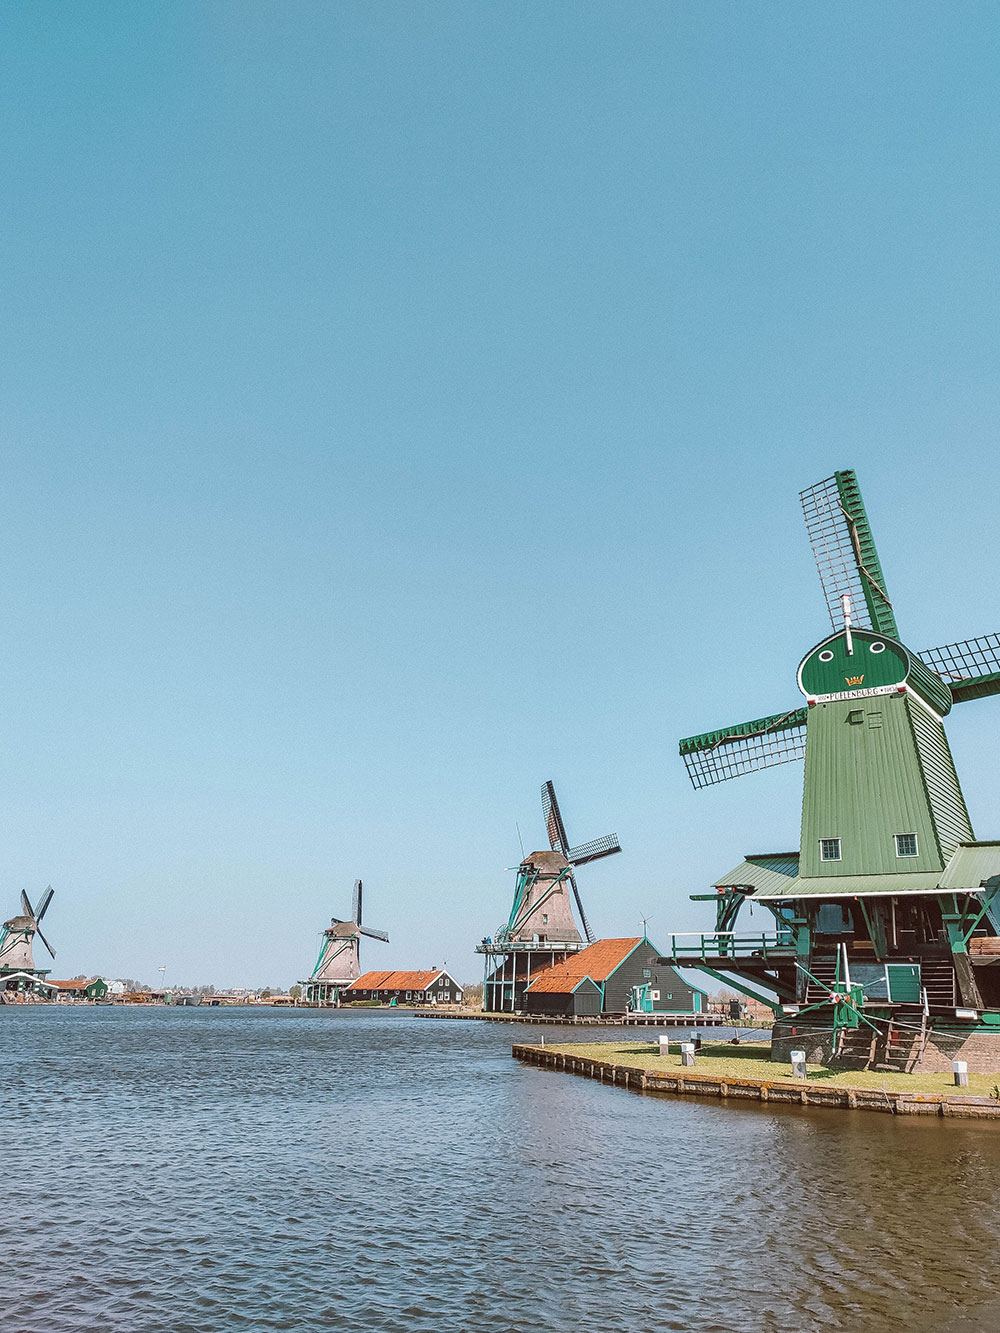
(879, 938)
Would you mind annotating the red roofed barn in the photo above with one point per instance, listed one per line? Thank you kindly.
(433, 986)
(612, 977)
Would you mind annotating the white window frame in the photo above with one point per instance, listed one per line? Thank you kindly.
(822, 849)
(907, 856)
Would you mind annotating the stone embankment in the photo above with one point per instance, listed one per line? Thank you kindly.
(795, 1092)
(602, 1021)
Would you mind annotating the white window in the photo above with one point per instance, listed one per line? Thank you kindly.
(906, 844)
(829, 849)
(409, 995)
(654, 994)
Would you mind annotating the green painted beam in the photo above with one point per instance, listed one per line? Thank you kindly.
(872, 578)
(977, 687)
(709, 740)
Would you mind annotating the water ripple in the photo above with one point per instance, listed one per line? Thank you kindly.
(225, 1170)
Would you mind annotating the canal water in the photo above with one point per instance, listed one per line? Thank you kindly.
(214, 1170)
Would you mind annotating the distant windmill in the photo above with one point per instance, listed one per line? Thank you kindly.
(16, 937)
(339, 961)
(574, 856)
(541, 921)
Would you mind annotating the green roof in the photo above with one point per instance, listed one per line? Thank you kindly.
(773, 874)
(969, 867)
(855, 886)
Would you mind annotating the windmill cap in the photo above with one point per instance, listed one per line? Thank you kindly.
(547, 862)
(875, 665)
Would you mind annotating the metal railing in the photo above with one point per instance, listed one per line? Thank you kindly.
(687, 946)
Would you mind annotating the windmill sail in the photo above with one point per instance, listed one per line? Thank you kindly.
(588, 933)
(971, 669)
(374, 934)
(717, 756)
(553, 821)
(576, 856)
(845, 554)
(594, 850)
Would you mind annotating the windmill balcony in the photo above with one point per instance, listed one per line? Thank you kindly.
(496, 944)
(691, 946)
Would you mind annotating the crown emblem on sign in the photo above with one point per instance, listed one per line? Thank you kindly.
(854, 680)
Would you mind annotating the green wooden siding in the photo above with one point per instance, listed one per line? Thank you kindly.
(929, 686)
(951, 818)
(864, 784)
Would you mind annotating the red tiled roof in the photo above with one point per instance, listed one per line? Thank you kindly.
(597, 961)
(394, 980)
(76, 984)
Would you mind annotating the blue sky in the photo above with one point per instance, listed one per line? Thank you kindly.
(405, 403)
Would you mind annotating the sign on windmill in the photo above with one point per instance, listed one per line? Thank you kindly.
(888, 864)
(339, 961)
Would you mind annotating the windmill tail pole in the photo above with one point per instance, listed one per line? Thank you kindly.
(845, 603)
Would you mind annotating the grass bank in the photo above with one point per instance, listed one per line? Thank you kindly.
(751, 1060)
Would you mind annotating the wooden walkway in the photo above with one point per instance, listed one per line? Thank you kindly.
(795, 1092)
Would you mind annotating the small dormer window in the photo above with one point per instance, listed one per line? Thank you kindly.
(906, 844)
(829, 849)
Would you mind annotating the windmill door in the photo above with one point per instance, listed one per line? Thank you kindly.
(904, 982)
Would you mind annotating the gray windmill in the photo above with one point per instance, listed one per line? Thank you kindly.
(541, 929)
(339, 961)
(17, 963)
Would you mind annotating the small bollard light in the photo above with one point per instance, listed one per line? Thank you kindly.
(664, 1045)
(687, 1053)
(961, 1069)
(543, 1038)
(697, 1041)
(798, 1059)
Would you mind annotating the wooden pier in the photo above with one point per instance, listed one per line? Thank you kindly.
(784, 1091)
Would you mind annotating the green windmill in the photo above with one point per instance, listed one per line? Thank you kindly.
(889, 882)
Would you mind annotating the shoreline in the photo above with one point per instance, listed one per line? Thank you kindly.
(783, 1090)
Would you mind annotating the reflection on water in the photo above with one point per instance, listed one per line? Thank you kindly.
(220, 1170)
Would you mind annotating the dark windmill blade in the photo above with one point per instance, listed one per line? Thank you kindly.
(553, 820)
(594, 850)
(44, 941)
(717, 756)
(576, 856)
(374, 934)
(845, 554)
(587, 932)
(43, 905)
(356, 905)
(26, 906)
(971, 669)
